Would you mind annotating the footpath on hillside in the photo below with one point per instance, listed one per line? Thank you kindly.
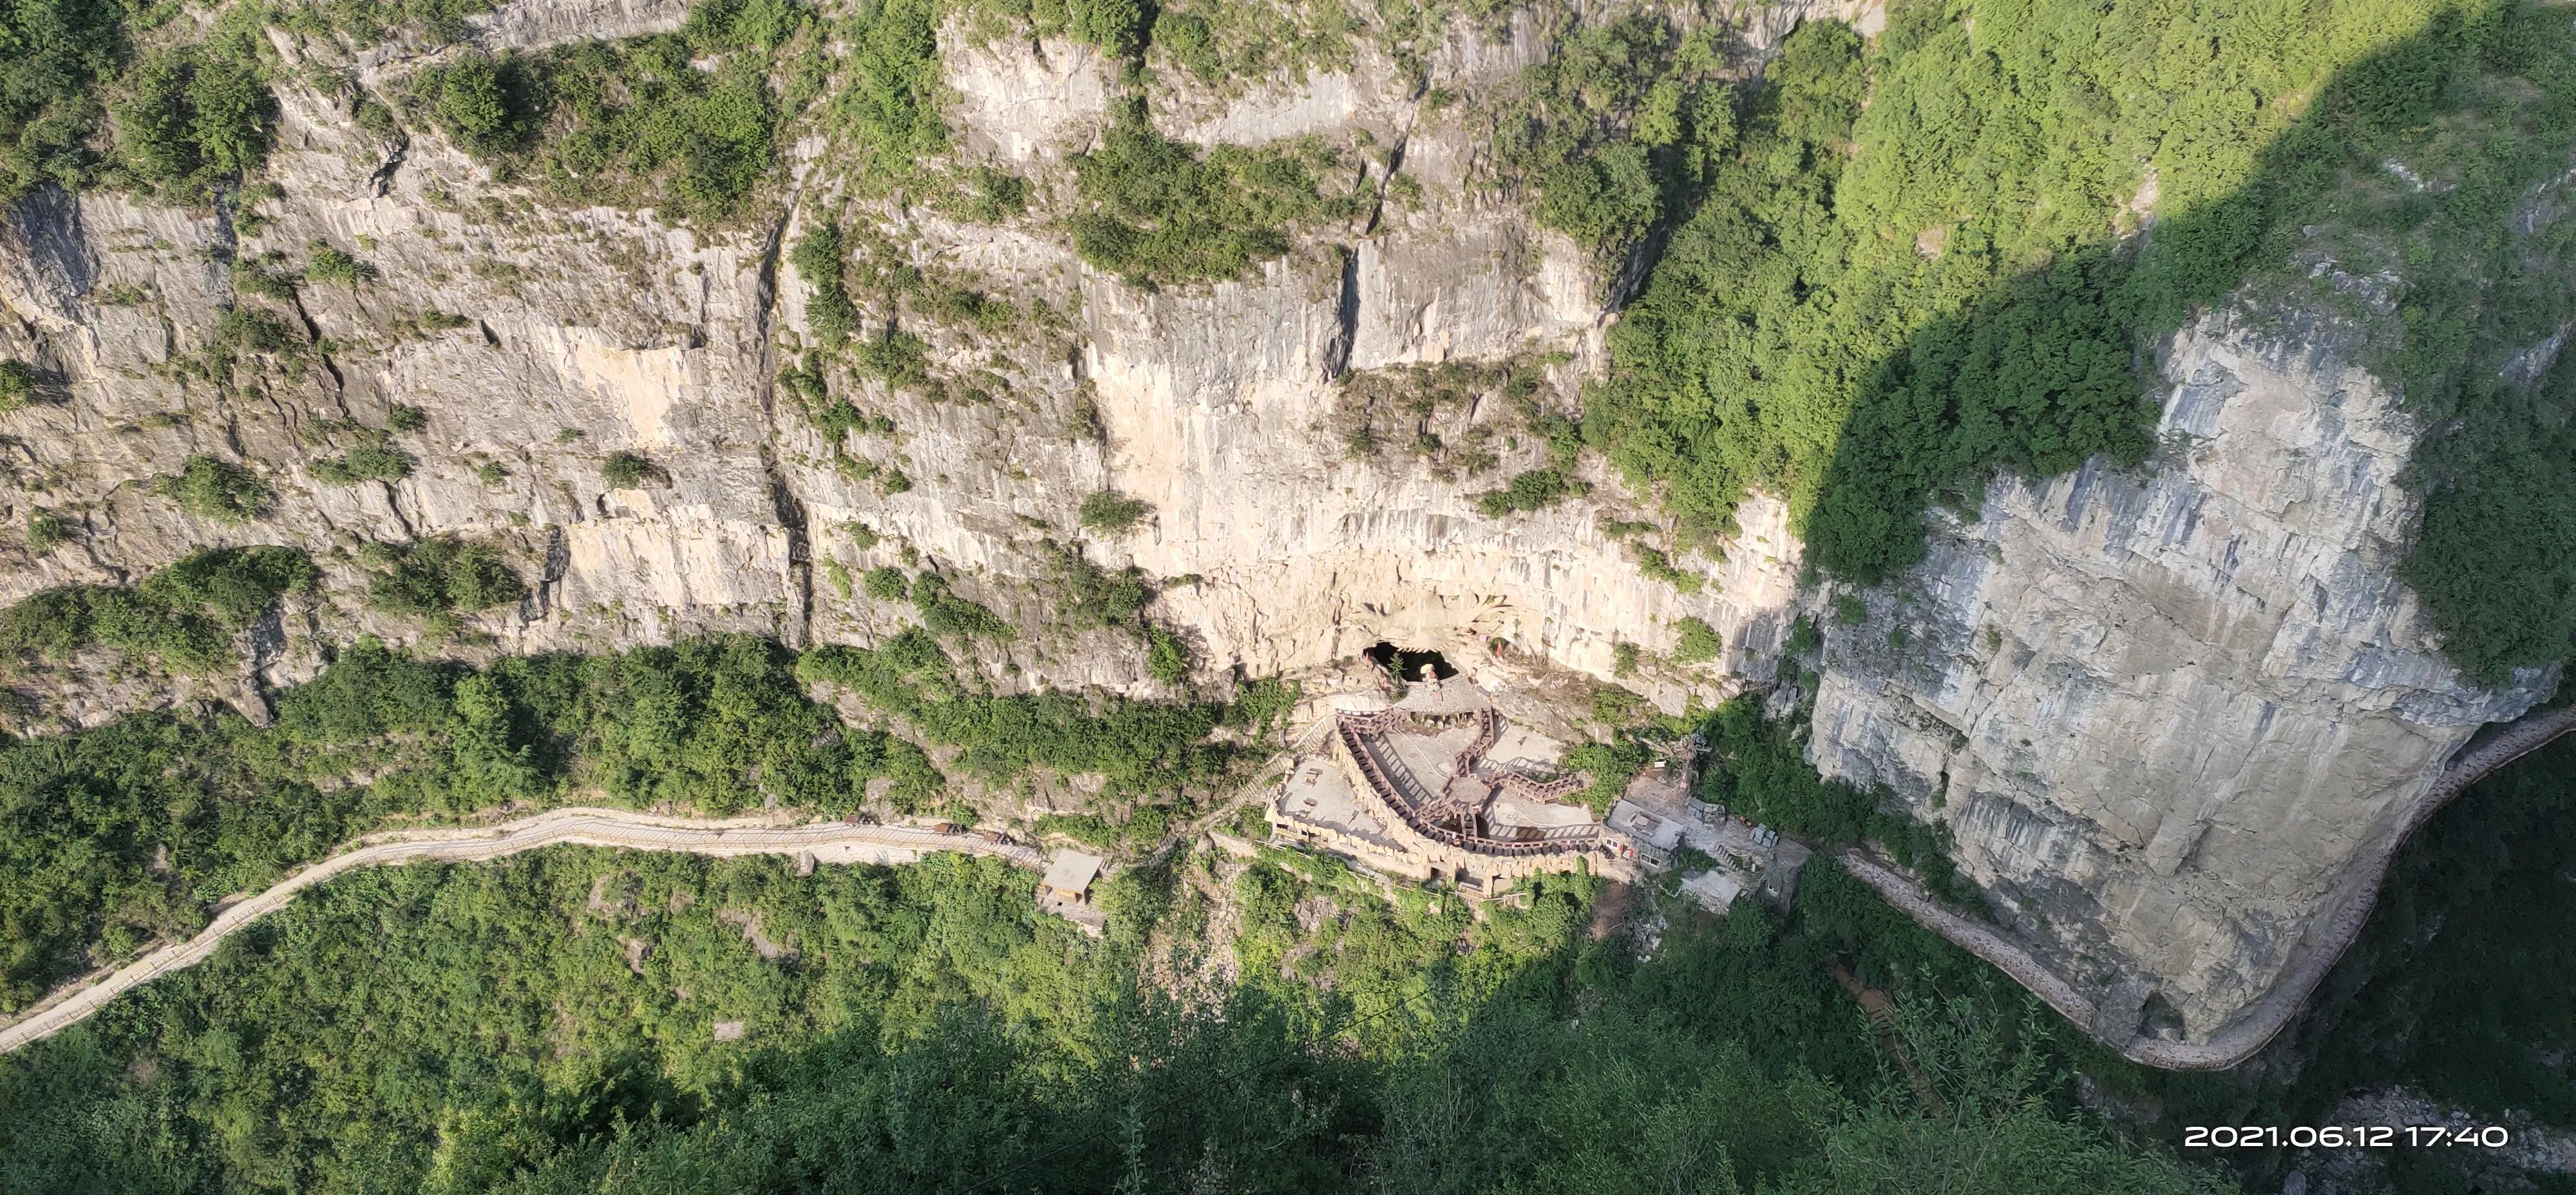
(824, 842)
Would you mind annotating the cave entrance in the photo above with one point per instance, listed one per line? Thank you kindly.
(1408, 665)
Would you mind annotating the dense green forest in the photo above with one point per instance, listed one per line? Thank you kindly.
(549, 1023)
(589, 1021)
(1920, 262)
(131, 831)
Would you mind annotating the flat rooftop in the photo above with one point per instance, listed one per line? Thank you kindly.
(1071, 871)
(1510, 810)
(1630, 818)
(1316, 793)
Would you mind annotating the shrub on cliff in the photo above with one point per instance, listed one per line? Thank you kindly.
(632, 122)
(183, 616)
(440, 575)
(325, 262)
(218, 490)
(1167, 656)
(1154, 210)
(374, 460)
(45, 532)
(1530, 490)
(18, 384)
(1116, 26)
(1110, 512)
(829, 314)
(196, 116)
(627, 470)
(890, 110)
(472, 99)
(1139, 746)
(951, 617)
(1699, 644)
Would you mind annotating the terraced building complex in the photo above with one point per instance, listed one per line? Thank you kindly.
(1430, 789)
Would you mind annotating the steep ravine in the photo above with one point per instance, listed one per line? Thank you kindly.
(2169, 713)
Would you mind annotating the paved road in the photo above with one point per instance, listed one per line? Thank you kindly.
(2333, 931)
(833, 842)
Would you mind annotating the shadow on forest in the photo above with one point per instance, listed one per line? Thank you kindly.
(2044, 369)
(1409, 1066)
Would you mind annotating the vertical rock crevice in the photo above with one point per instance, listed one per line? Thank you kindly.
(796, 624)
(1346, 317)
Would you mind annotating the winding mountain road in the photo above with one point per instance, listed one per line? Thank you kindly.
(2315, 954)
(828, 842)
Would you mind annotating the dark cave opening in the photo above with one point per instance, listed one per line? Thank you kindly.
(1408, 665)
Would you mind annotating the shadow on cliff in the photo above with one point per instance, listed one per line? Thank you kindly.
(2419, 190)
(2047, 369)
(2455, 991)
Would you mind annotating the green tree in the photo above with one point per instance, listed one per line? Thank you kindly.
(829, 314)
(218, 490)
(468, 99)
(1110, 512)
(197, 116)
(1699, 644)
(1155, 211)
(59, 51)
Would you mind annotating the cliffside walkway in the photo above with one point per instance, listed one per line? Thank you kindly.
(561, 827)
(1358, 735)
(2315, 954)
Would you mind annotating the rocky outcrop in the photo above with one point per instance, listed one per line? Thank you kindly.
(2167, 711)
(2164, 711)
(541, 339)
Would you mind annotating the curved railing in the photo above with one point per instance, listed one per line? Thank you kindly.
(1352, 727)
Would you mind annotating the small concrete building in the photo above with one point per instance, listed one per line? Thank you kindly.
(1065, 891)
(1644, 835)
(1068, 877)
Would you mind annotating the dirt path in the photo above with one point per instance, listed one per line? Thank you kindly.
(2330, 934)
(828, 842)
(1610, 910)
(1880, 1008)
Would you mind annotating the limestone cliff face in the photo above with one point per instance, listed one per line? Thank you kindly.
(592, 331)
(585, 332)
(2160, 709)
(1216, 404)
(2163, 711)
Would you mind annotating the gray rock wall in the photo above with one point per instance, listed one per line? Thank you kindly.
(2164, 710)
